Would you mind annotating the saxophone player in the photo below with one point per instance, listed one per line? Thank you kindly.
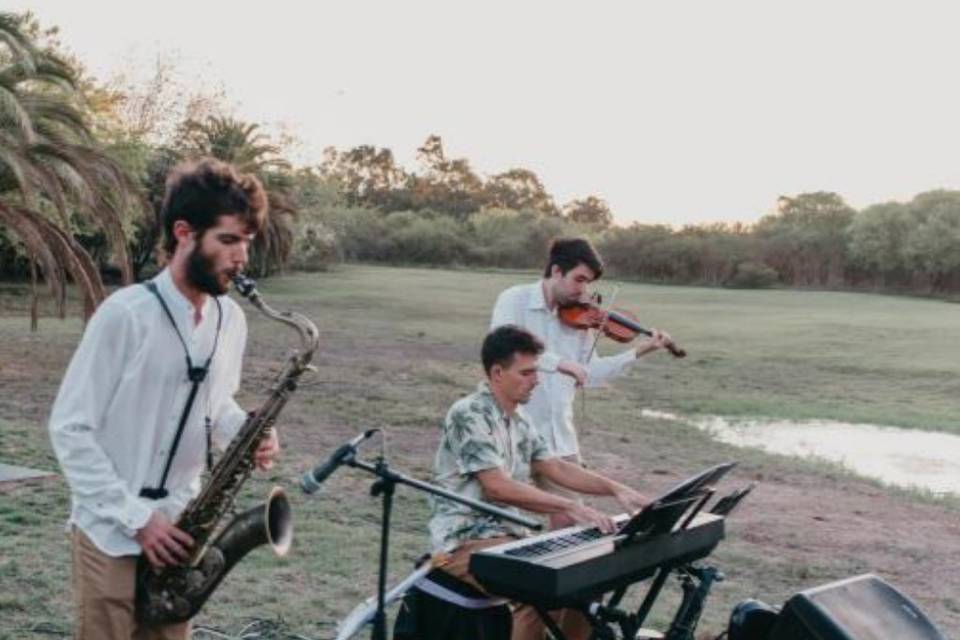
(148, 392)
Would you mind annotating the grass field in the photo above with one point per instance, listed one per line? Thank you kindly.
(399, 345)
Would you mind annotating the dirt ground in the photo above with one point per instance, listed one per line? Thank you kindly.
(803, 526)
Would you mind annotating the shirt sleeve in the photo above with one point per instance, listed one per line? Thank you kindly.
(602, 370)
(228, 416)
(538, 446)
(471, 442)
(88, 386)
(504, 311)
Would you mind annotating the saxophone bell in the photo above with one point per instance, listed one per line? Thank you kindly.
(179, 593)
(270, 523)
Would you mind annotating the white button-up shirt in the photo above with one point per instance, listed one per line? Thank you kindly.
(117, 411)
(551, 405)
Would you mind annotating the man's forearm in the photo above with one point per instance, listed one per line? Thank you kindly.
(524, 496)
(605, 369)
(574, 477)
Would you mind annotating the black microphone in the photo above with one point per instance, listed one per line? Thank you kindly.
(312, 479)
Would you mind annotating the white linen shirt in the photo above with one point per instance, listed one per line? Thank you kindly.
(551, 405)
(116, 414)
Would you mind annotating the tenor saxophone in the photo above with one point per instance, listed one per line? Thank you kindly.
(175, 594)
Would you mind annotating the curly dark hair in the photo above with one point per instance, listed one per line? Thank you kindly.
(503, 343)
(201, 191)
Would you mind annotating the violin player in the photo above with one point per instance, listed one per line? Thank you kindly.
(568, 361)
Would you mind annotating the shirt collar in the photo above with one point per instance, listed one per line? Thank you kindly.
(483, 389)
(175, 298)
(537, 300)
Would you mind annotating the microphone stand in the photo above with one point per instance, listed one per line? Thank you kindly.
(384, 486)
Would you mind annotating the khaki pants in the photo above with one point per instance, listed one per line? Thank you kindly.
(558, 521)
(103, 590)
(527, 624)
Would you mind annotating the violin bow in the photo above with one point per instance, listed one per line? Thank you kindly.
(606, 319)
(593, 348)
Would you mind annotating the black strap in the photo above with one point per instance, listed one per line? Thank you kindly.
(196, 376)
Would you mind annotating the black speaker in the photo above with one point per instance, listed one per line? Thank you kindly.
(860, 608)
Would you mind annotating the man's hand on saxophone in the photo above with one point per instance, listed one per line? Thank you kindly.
(268, 450)
(163, 543)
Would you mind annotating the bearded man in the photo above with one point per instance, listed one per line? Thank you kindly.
(149, 391)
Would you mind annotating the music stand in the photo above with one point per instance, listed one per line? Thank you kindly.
(731, 501)
(663, 513)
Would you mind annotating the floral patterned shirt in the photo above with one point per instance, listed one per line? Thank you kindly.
(478, 435)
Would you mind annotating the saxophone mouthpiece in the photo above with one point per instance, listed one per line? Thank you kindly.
(245, 286)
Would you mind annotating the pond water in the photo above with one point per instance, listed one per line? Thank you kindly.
(902, 457)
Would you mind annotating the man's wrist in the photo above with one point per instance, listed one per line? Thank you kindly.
(644, 348)
(567, 505)
(614, 488)
(136, 518)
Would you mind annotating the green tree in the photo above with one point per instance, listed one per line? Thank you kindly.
(53, 173)
(591, 211)
(933, 245)
(519, 189)
(877, 239)
(242, 145)
(805, 241)
(367, 176)
(446, 185)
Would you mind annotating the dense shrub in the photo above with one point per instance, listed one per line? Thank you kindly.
(315, 248)
(753, 275)
(506, 238)
(422, 238)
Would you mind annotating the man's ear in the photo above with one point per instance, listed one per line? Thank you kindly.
(555, 272)
(183, 232)
(496, 373)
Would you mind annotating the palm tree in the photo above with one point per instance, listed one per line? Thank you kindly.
(243, 146)
(51, 169)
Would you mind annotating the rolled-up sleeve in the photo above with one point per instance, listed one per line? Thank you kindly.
(78, 413)
(603, 370)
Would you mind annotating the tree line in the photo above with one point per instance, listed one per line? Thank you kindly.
(83, 165)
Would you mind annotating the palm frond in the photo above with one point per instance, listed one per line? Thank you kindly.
(20, 46)
(13, 114)
(49, 161)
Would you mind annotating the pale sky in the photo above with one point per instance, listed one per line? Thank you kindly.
(674, 112)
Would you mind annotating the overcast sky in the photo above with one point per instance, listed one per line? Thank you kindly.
(674, 112)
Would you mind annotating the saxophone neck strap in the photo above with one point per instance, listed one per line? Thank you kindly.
(196, 375)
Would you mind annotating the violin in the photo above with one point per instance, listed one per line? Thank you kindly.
(616, 324)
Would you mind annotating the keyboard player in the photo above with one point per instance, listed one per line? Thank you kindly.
(489, 450)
